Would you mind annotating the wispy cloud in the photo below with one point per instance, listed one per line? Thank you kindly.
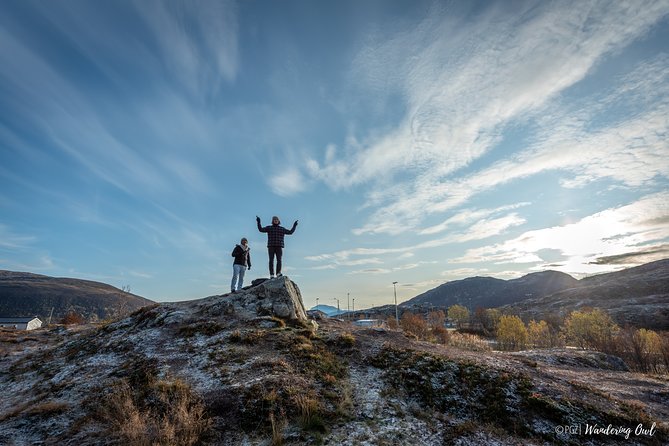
(458, 102)
(287, 183)
(11, 240)
(637, 227)
(468, 216)
(200, 60)
(478, 231)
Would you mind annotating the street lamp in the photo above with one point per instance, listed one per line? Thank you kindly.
(348, 305)
(397, 318)
(354, 308)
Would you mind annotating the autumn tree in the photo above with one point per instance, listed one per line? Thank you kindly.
(643, 349)
(436, 318)
(415, 324)
(459, 314)
(511, 333)
(539, 334)
(591, 328)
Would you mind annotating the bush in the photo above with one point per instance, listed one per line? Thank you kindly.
(641, 349)
(441, 335)
(541, 335)
(72, 318)
(414, 324)
(459, 314)
(511, 333)
(591, 328)
(436, 319)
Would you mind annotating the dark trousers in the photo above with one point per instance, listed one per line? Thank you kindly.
(278, 252)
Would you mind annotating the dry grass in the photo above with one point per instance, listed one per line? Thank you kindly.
(469, 342)
(169, 414)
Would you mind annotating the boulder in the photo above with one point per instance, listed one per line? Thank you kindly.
(279, 297)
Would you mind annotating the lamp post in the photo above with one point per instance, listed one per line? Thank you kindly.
(353, 308)
(317, 303)
(337, 299)
(348, 305)
(397, 317)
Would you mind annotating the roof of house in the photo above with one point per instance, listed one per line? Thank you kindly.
(17, 320)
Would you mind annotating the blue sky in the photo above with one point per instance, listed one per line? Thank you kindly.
(417, 142)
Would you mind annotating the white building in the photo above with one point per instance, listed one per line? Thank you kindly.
(20, 323)
(369, 323)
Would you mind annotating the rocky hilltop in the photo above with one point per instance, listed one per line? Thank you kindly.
(249, 368)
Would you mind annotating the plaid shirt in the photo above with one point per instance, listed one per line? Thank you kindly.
(275, 234)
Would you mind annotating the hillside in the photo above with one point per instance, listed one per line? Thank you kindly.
(27, 294)
(489, 292)
(248, 368)
(636, 296)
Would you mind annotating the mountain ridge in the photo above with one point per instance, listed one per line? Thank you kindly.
(637, 296)
(30, 294)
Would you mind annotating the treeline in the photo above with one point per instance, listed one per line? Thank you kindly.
(642, 350)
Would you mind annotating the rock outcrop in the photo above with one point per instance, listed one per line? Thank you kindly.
(279, 297)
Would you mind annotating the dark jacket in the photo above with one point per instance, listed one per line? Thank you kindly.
(275, 234)
(242, 256)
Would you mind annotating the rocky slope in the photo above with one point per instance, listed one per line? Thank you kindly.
(27, 294)
(249, 368)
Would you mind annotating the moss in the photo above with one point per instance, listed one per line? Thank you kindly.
(206, 328)
(457, 388)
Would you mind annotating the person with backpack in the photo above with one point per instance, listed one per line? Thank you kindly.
(242, 255)
(275, 245)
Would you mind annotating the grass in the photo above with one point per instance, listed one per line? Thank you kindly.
(166, 412)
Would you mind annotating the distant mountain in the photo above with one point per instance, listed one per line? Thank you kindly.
(328, 309)
(489, 292)
(636, 296)
(27, 294)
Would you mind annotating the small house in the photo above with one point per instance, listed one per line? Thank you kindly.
(20, 323)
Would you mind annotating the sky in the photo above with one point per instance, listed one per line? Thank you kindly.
(416, 142)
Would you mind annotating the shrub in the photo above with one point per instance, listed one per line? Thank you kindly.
(72, 318)
(641, 348)
(441, 335)
(436, 318)
(459, 314)
(346, 340)
(539, 334)
(414, 324)
(591, 328)
(511, 333)
(664, 350)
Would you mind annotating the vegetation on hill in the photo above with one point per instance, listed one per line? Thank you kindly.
(26, 294)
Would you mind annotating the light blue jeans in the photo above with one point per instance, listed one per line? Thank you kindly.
(237, 271)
